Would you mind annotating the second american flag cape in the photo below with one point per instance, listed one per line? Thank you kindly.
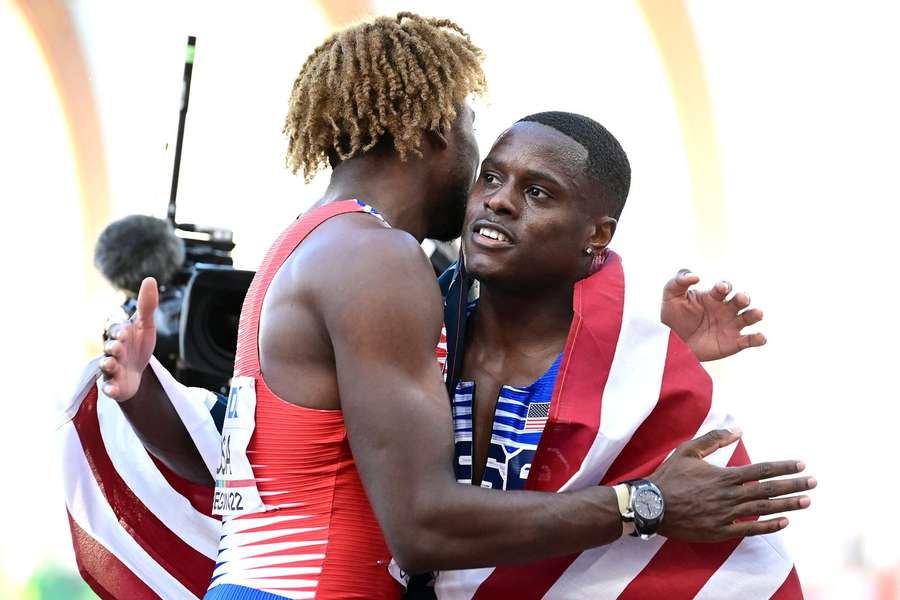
(628, 392)
(138, 530)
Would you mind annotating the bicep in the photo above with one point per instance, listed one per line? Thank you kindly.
(391, 391)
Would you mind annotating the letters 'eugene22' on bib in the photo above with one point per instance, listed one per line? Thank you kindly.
(236, 492)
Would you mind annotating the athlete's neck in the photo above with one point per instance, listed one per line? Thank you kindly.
(398, 190)
(523, 322)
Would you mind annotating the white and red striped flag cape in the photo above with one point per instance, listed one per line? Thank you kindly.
(138, 530)
(628, 392)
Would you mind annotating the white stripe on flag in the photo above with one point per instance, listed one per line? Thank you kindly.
(138, 471)
(90, 510)
(460, 585)
(88, 379)
(605, 572)
(631, 392)
(189, 404)
(754, 571)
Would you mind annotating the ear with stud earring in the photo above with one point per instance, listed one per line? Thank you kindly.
(599, 256)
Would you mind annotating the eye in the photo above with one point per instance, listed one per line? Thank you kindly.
(536, 193)
(490, 179)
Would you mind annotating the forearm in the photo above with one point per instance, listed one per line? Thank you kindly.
(470, 527)
(160, 429)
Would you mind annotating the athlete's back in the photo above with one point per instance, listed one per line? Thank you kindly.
(312, 532)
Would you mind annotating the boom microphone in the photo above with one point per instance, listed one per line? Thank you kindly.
(201, 293)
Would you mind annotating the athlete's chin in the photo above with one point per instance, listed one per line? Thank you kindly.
(486, 268)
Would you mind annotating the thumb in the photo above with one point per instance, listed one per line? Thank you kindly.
(708, 443)
(678, 285)
(147, 301)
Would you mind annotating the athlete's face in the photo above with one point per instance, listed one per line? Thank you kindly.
(533, 211)
(457, 166)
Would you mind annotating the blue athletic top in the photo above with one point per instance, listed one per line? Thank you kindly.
(519, 421)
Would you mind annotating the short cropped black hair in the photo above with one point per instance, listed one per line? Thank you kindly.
(607, 163)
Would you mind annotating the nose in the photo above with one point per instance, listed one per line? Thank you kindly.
(503, 201)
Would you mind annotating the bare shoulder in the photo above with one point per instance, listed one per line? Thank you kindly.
(357, 242)
(354, 264)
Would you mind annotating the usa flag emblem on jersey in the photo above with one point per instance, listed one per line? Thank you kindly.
(536, 418)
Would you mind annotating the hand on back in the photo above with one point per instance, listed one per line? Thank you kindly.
(708, 323)
(705, 503)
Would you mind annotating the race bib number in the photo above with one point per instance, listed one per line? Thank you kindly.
(236, 492)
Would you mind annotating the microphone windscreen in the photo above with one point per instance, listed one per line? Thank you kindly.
(135, 247)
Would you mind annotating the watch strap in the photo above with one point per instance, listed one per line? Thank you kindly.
(623, 497)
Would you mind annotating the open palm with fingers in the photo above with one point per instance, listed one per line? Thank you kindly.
(709, 323)
(129, 346)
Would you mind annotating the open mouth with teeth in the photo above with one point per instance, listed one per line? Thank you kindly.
(493, 234)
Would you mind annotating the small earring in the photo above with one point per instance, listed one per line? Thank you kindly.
(589, 250)
(597, 260)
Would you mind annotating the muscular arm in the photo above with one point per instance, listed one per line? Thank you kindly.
(399, 425)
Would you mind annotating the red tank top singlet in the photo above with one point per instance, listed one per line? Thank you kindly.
(318, 537)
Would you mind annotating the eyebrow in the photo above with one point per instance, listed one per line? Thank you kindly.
(529, 173)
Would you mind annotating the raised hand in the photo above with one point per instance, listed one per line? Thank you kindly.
(705, 503)
(709, 325)
(129, 346)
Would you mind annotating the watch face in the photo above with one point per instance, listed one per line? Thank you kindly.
(647, 504)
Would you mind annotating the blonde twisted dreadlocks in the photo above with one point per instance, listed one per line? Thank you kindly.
(393, 77)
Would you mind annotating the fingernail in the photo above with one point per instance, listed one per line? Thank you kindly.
(785, 523)
(800, 465)
(811, 482)
(805, 502)
(736, 430)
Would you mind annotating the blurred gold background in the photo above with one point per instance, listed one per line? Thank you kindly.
(762, 137)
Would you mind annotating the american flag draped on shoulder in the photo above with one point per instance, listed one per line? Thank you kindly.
(138, 530)
(628, 392)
